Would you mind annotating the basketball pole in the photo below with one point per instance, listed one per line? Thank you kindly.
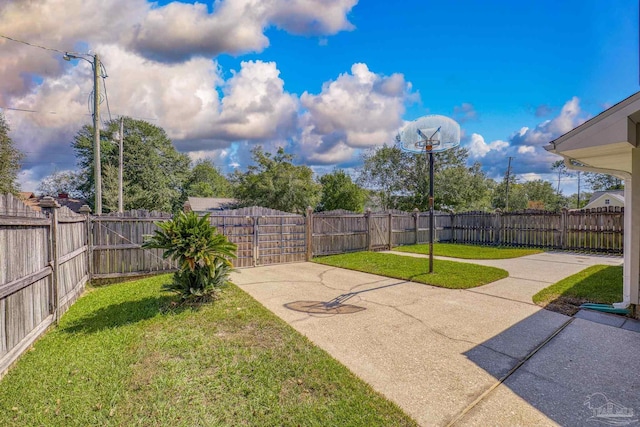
(431, 216)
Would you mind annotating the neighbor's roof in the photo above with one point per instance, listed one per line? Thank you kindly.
(614, 194)
(204, 204)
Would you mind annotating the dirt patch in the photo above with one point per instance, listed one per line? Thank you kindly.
(565, 305)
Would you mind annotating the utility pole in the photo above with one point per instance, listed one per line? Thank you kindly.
(97, 168)
(120, 185)
(96, 135)
(578, 207)
(508, 181)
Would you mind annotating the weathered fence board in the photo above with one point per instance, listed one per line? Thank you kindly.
(597, 230)
(25, 278)
(263, 236)
(341, 233)
(116, 241)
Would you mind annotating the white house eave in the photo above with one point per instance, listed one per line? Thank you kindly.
(623, 116)
(613, 159)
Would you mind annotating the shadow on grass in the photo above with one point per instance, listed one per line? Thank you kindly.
(124, 313)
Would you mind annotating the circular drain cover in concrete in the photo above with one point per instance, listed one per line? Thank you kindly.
(319, 307)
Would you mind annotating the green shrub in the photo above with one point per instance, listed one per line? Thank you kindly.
(202, 255)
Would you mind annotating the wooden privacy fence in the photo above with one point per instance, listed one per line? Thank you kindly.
(46, 258)
(339, 232)
(592, 230)
(263, 236)
(43, 270)
(115, 245)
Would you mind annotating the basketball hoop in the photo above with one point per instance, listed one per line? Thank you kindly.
(430, 134)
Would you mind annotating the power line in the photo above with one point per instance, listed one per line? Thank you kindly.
(32, 44)
(23, 110)
(106, 97)
(27, 111)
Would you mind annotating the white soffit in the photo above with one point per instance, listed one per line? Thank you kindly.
(616, 156)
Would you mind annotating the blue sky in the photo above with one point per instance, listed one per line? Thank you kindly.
(221, 79)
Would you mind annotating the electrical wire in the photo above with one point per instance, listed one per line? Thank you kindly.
(27, 111)
(33, 45)
(23, 110)
(106, 97)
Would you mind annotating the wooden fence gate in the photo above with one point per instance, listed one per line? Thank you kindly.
(263, 236)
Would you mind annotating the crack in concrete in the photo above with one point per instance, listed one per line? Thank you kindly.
(438, 332)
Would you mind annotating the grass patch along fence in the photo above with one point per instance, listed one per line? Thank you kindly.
(600, 284)
(447, 274)
(123, 355)
(455, 250)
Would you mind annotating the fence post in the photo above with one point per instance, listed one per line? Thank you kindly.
(497, 227)
(86, 210)
(50, 206)
(453, 217)
(564, 228)
(309, 221)
(416, 216)
(255, 240)
(390, 230)
(367, 216)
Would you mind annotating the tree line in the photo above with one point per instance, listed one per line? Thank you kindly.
(158, 177)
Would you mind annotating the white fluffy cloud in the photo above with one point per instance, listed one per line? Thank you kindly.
(524, 149)
(530, 176)
(526, 146)
(478, 148)
(162, 68)
(357, 110)
(255, 105)
(176, 31)
(570, 116)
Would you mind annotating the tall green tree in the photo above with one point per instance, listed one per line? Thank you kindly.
(273, 181)
(517, 196)
(573, 203)
(340, 192)
(154, 171)
(384, 171)
(560, 168)
(60, 182)
(602, 182)
(401, 179)
(542, 195)
(10, 158)
(460, 188)
(205, 180)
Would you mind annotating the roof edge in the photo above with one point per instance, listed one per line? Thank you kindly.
(606, 113)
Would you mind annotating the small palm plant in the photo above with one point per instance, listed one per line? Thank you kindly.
(202, 255)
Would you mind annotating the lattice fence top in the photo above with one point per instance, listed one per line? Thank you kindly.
(336, 212)
(252, 211)
(139, 213)
(11, 205)
(607, 209)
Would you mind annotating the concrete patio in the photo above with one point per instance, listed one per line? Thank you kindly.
(483, 356)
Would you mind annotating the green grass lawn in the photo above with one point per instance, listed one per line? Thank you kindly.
(455, 250)
(596, 284)
(446, 274)
(124, 355)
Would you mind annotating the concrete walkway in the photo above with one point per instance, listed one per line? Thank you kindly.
(484, 356)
